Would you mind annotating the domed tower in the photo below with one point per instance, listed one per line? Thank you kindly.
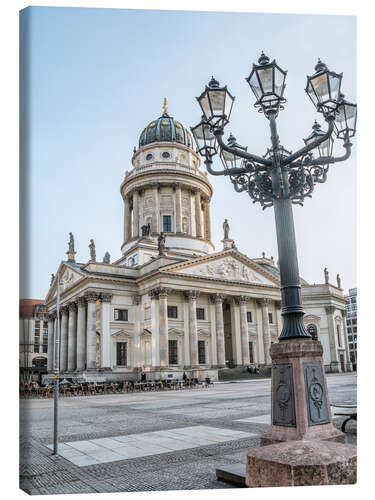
(166, 191)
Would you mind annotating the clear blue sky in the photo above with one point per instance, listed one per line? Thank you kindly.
(97, 77)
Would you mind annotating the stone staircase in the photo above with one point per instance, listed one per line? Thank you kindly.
(240, 373)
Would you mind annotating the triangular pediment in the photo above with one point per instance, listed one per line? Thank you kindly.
(225, 266)
(68, 277)
(121, 334)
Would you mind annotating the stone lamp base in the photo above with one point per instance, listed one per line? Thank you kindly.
(301, 463)
(300, 404)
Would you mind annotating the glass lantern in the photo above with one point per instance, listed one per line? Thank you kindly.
(267, 81)
(324, 149)
(204, 138)
(323, 88)
(216, 103)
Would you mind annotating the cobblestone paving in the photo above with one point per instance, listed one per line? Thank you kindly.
(87, 418)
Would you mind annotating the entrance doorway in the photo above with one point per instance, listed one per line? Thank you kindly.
(228, 343)
(342, 362)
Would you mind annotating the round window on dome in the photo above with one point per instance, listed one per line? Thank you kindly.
(149, 157)
(166, 155)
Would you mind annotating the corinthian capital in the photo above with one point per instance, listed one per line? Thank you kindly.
(81, 301)
(91, 296)
(330, 309)
(217, 298)
(241, 299)
(105, 297)
(192, 294)
(64, 309)
(263, 302)
(72, 306)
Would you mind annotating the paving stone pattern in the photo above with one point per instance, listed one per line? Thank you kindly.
(150, 441)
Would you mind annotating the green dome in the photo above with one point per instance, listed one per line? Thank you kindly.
(165, 128)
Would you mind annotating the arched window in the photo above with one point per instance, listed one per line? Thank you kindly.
(313, 331)
(39, 362)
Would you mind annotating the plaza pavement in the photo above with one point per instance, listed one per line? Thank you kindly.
(172, 440)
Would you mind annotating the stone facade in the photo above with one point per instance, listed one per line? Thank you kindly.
(186, 309)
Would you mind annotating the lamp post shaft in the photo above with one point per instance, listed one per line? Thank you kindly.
(292, 310)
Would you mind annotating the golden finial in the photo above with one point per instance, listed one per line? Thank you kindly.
(165, 108)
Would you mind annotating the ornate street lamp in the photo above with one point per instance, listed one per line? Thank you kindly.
(324, 149)
(205, 139)
(345, 119)
(279, 179)
(216, 103)
(231, 160)
(267, 81)
(323, 88)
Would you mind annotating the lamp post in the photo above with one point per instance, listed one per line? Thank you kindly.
(280, 179)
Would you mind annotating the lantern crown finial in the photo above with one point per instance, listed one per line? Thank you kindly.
(231, 139)
(263, 59)
(213, 84)
(320, 66)
(316, 126)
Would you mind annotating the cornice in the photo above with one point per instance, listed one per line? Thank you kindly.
(126, 186)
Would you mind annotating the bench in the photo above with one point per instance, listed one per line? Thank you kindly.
(352, 415)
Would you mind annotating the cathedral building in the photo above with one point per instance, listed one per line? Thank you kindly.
(172, 303)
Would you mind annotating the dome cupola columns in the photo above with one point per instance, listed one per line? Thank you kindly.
(166, 191)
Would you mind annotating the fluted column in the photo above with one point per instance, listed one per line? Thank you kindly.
(105, 339)
(72, 337)
(163, 326)
(64, 339)
(242, 302)
(137, 301)
(51, 341)
(219, 317)
(266, 329)
(207, 220)
(81, 333)
(332, 336)
(135, 214)
(198, 218)
(192, 295)
(178, 207)
(127, 219)
(348, 366)
(155, 351)
(91, 299)
(155, 207)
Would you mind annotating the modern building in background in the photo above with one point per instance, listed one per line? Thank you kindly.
(33, 337)
(351, 323)
(170, 303)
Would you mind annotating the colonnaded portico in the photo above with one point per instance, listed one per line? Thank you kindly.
(170, 303)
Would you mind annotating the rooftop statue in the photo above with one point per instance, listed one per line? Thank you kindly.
(92, 251)
(226, 229)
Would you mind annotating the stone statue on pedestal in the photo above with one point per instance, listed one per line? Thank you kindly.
(71, 252)
(92, 251)
(326, 276)
(146, 229)
(338, 281)
(226, 229)
(71, 242)
(52, 278)
(161, 244)
(107, 258)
